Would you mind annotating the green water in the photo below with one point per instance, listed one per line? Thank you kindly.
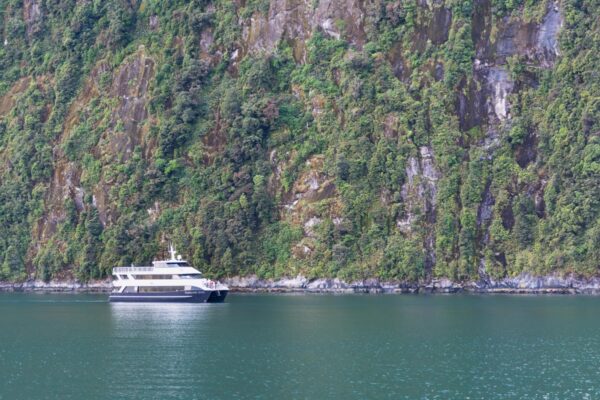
(301, 347)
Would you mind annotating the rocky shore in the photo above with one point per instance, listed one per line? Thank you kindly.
(57, 286)
(522, 284)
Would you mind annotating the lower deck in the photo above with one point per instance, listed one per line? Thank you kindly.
(178, 296)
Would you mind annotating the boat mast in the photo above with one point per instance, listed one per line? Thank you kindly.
(172, 252)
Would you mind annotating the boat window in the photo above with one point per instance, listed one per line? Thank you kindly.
(190, 276)
(161, 289)
(178, 264)
(153, 276)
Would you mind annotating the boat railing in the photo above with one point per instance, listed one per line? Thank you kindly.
(125, 270)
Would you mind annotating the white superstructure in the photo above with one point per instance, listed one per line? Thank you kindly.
(171, 275)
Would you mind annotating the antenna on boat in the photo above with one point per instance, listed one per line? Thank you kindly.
(172, 251)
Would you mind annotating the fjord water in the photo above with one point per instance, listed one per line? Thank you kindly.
(302, 347)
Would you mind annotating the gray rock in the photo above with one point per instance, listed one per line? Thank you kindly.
(524, 283)
(58, 286)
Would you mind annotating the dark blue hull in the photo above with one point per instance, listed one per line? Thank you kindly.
(217, 296)
(161, 297)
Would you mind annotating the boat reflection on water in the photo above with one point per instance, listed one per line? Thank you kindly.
(154, 346)
(158, 319)
(168, 324)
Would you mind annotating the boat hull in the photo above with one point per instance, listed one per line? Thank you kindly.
(217, 296)
(162, 297)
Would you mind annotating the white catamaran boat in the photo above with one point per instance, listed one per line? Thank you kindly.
(171, 280)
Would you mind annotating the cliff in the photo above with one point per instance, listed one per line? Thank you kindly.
(402, 141)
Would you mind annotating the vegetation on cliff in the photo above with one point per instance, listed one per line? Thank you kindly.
(335, 138)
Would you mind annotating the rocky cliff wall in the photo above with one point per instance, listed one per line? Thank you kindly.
(392, 140)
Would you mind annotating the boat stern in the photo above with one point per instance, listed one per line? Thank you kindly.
(217, 296)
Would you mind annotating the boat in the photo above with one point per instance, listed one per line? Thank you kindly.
(173, 280)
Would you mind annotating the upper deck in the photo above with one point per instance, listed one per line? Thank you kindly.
(156, 270)
(175, 266)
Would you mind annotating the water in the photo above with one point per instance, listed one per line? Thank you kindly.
(301, 347)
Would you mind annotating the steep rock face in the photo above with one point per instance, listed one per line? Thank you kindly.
(287, 19)
(207, 52)
(129, 122)
(498, 40)
(129, 88)
(433, 26)
(530, 43)
(32, 14)
(500, 86)
(419, 191)
(66, 179)
(7, 102)
(433, 22)
(296, 20)
(419, 195)
(65, 185)
(547, 38)
(534, 43)
(406, 132)
(312, 199)
(340, 18)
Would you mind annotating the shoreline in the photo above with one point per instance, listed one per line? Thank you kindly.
(522, 284)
